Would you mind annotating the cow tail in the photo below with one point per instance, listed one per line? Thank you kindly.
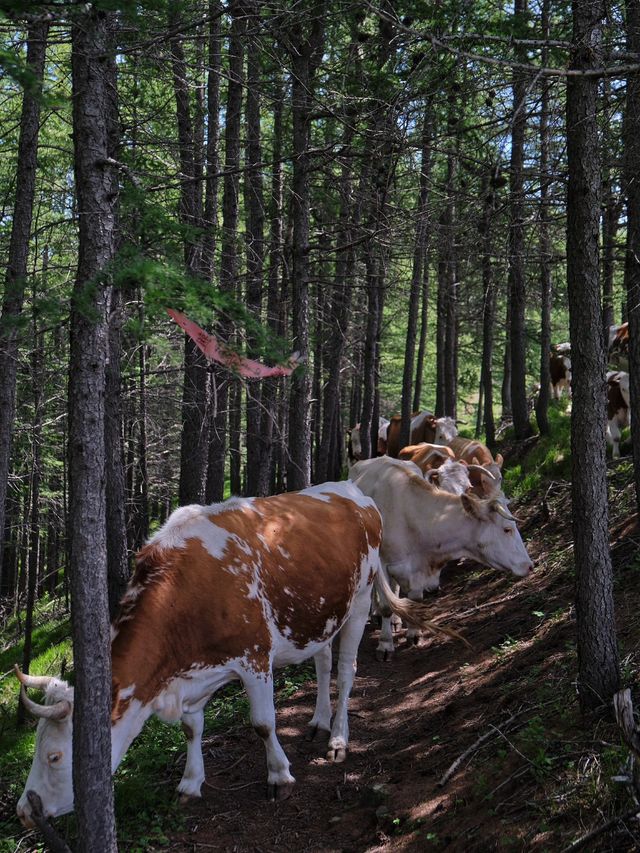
(414, 613)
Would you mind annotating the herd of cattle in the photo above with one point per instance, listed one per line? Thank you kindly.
(233, 590)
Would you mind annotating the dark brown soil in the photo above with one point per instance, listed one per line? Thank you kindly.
(536, 783)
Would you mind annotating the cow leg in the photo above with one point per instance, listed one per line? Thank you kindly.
(193, 776)
(350, 636)
(259, 687)
(613, 437)
(384, 649)
(322, 716)
(414, 635)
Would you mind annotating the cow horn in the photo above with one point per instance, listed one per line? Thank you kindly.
(38, 682)
(496, 506)
(57, 711)
(482, 469)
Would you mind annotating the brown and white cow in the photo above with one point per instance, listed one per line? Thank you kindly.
(425, 427)
(619, 346)
(354, 444)
(440, 468)
(485, 472)
(424, 528)
(227, 592)
(618, 408)
(559, 373)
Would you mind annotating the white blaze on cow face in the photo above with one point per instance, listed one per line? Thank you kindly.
(446, 431)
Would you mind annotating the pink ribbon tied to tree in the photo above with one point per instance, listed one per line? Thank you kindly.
(216, 351)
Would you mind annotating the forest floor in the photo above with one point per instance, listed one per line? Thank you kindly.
(540, 778)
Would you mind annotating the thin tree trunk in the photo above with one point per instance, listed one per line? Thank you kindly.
(228, 261)
(611, 213)
(632, 261)
(417, 281)
(598, 671)
(97, 191)
(542, 402)
(193, 445)
(488, 309)
(274, 309)
(305, 56)
(34, 521)
(517, 283)
(254, 202)
(16, 271)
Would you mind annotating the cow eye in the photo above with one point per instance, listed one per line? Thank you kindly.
(508, 530)
(54, 757)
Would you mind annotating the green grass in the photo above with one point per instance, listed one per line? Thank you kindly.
(549, 459)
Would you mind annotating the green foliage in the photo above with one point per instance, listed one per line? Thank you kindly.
(550, 458)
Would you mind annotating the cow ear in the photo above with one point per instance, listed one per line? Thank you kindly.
(499, 460)
(433, 477)
(474, 460)
(471, 506)
(462, 461)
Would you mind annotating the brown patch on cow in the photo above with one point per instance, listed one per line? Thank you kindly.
(262, 731)
(620, 342)
(301, 554)
(188, 731)
(557, 368)
(309, 551)
(615, 400)
(424, 432)
(471, 451)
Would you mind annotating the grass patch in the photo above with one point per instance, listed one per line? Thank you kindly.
(550, 458)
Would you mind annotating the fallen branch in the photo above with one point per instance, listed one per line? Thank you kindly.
(54, 842)
(585, 839)
(493, 732)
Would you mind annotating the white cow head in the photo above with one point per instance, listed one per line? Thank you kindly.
(450, 477)
(496, 541)
(446, 430)
(51, 770)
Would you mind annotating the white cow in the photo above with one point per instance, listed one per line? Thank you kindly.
(423, 529)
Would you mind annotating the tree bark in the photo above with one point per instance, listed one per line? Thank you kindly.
(417, 281)
(228, 261)
(545, 248)
(632, 260)
(488, 308)
(97, 192)
(517, 283)
(16, 271)
(598, 671)
(305, 55)
(193, 445)
(254, 202)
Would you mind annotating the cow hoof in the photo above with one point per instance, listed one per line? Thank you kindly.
(384, 655)
(183, 799)
(337, 755)
(280, 792)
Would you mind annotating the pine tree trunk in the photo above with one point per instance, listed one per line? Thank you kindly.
(16, 271)
(542, 402)
(488, 309)
(193, 445)
(304, 57)
(274, 309)
(97, 191)
(254, 203)
(632, 260)
(517, 284)
(610, 216)
(417, 280)
(228, 261)
(598, 673)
